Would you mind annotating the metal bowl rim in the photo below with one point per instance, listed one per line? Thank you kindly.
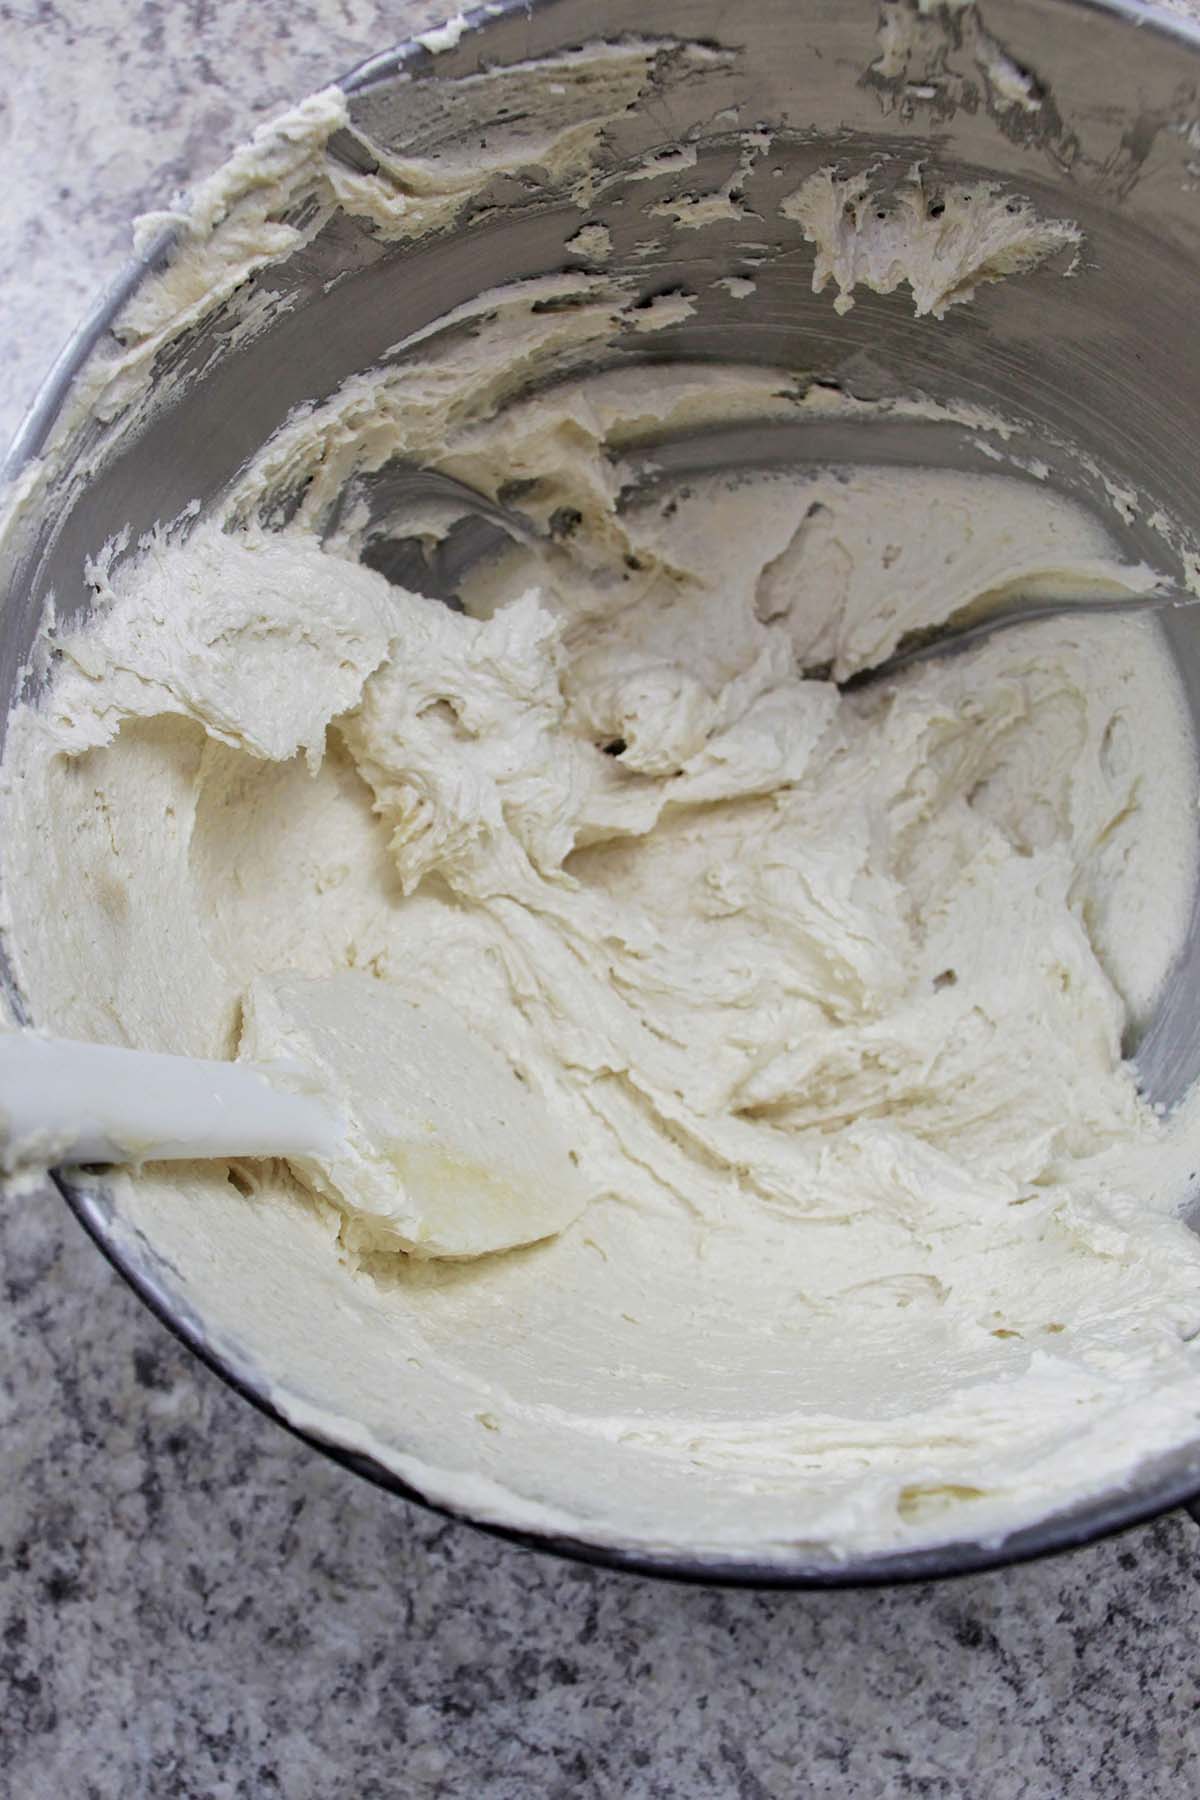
(1112, 1511)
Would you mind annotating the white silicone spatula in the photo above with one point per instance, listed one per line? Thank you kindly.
(383, 1102)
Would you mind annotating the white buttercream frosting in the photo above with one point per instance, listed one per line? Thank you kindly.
(827, 991)
(830, 994)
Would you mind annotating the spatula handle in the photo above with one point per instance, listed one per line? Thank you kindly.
(68, 1102)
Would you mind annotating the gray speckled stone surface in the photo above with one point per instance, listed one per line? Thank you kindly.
(192, 1604)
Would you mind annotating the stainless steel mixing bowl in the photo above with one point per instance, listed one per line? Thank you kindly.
(1091, 111)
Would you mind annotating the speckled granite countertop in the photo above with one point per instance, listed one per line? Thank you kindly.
(192, 1604)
